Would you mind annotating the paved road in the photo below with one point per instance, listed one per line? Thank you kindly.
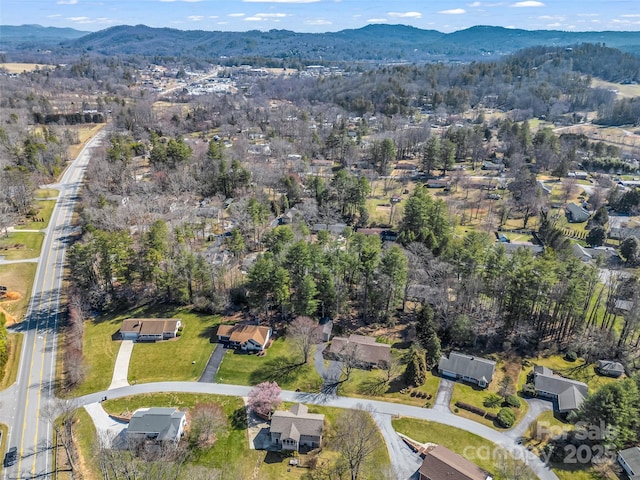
(22, 404)
(536, 465)
(536, 407)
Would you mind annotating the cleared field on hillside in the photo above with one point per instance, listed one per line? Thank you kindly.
(626, 91)
(23, 67)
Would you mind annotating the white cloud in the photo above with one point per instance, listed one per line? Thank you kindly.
(318, 21)
(281, 1)
(195, 18)
(405, 14)
(376, 20)
(271, 15)
(67, 2)
(54, 15)
(554, 25)
(86, 20)
(482, 4)
(588, 14)
(453, 11)
(527, 3)
(631, 15)
(79, 19)
(254, 19)
(236, 15)
(213, 16)
(475, 4)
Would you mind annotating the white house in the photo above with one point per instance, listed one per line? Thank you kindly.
(160, 424)
(149, 329)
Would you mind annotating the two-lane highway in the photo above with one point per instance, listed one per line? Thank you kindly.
(22, 404)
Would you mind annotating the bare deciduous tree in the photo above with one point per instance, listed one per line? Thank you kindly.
(356, 437)
(304, 333)
(208, 421)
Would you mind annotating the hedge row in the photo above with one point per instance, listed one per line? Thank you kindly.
(471, 408)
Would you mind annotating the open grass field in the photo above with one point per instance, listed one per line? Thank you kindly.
(24, 67)
(85, 133)
(476, 449)
(279, 364)
(21, 245)
(46, 193)
(44, 210)
(183, 358)
(17, 277)
(626, 91)
(150, 362)
(11, 367)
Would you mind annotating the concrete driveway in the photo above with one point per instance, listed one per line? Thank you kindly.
(121, 368)
(110, 432)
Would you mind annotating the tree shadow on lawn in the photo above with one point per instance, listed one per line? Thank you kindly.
(281, 369)
(239, 419)
(577, 372)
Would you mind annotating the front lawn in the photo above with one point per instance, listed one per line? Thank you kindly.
(14, 342)
(279, 364)
(182, 358)
(483, 453)
(44, 209)
(476, 396)
(150, 362)
(21, 245)
(18, 278)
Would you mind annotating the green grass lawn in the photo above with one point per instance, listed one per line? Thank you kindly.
(474, 395)
(280, 364)
(476, 449)
(17, 277)
(11, 367)
(85, 434)
(44, 209)
(183, 358)
(46, 193)
(357, 387)
(21, 245)
(150, 362)
(577, 370)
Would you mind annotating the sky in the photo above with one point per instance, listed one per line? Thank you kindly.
(325, 15)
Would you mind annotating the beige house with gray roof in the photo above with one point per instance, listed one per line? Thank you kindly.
(296, 428)
(569, 394)
(467, 368)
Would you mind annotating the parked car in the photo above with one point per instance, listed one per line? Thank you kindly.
(10, 457)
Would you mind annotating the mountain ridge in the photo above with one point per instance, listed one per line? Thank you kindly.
(374, 42)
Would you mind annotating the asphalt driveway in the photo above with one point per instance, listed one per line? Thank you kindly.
(213, 365)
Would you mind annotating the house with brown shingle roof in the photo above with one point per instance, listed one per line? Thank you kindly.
(149, 329)
(440, 463)
(368, 352)
(296, 428)
(244, 337)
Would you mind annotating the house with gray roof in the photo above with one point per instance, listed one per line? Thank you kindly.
(575, 213)
(296, 428)
(568, 394)
(468, 368)
(609, 368)
(629, 460)
(159, 424)
(367, 352)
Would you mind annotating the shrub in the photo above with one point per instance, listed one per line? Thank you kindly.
(506, 417)
(512, 401)
(471, 408)
(529, 389)
(492, 400)
(571, 356)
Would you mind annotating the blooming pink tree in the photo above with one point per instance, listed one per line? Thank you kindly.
(264, 398)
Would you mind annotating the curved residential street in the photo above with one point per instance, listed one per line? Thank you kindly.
(22, 405)
(383, 408)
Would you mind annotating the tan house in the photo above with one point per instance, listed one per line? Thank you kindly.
(149, 329)
(368, 352)
(440, 463)
(245, 337)
(296, 428)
